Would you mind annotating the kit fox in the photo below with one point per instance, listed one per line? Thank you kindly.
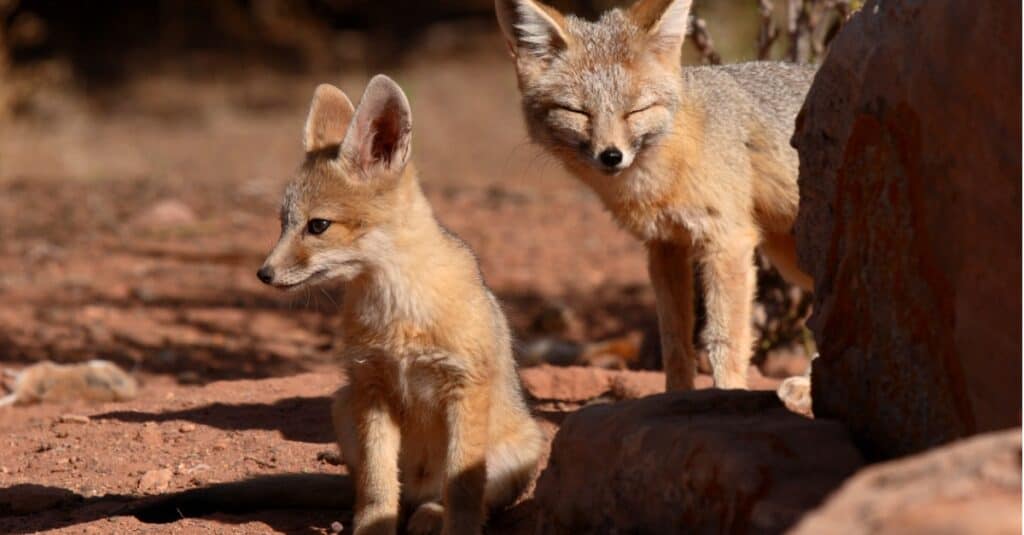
(694, 162)
(433, 416)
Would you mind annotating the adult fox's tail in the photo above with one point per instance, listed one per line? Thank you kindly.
(284, 491)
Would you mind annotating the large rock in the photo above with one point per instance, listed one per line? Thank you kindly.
(709, 461)
(972, 486)
(909, 222)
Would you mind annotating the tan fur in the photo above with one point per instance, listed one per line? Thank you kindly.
(433, 417)
(96, 380)
(706, 171)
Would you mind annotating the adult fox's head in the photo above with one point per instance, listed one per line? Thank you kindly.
(340, 211)
(597, 93)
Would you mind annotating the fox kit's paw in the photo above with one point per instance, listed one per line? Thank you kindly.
(795, 392)
(428, 519)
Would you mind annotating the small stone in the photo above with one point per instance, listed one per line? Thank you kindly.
(329, 457)
(795, 392)
(167, 213)
(155, 480)
(336, 527)
(199, 467)
(74, 419)
(187, 427)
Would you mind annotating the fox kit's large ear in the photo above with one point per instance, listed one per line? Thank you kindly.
(380, 136)
(665, 21)
(531, 27)
(329, 115)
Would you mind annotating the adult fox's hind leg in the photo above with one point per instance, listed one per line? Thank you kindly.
(781, 251)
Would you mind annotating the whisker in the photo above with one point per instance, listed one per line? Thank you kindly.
(328, 296)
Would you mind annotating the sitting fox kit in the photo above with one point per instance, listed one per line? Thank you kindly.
(695, 162)
(433, 416)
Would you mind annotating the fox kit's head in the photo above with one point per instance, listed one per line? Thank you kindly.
(339, 211)
(597, 93)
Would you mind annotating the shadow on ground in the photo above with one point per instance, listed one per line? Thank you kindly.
(297, 418)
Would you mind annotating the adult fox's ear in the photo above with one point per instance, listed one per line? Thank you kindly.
(665, 21)
(329, 116)
(531, 27)
(380, 136)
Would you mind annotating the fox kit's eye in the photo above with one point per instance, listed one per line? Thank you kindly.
(317, 226)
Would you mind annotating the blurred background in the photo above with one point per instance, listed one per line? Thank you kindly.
(144, 147)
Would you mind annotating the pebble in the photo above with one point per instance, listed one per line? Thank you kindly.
(329, 457)
(155, 480)
(74, 419)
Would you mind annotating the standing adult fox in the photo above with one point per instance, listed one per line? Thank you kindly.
(433, 417)
(695, 162)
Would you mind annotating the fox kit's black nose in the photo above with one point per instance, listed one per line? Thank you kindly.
(266, 274)
(610, 157)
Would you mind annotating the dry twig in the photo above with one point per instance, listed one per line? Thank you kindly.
(768, 32)
(701, 39)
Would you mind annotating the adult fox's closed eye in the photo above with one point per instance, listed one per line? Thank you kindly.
(695, 162)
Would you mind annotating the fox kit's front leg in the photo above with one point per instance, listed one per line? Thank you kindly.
(468, 416)
(376, 470)
(671, 270)
(729, 279)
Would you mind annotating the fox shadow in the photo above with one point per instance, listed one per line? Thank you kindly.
(301, 419)
(270, 499)
(30, 508)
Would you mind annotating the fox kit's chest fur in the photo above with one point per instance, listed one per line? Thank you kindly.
(416, 360)
(412, 378)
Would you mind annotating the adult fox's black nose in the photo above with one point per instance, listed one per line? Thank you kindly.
(266, 274)
(610, 157)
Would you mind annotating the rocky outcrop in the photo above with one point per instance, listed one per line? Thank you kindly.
(909, 222)
(711, 461)
(972, 486)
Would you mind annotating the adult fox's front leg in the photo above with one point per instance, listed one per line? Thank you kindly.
(671, 270)
(730, 281)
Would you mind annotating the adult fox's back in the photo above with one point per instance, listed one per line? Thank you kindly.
(751, 108)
